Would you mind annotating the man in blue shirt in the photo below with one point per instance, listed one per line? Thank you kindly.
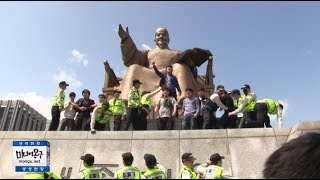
(169, 80)
(190, 110)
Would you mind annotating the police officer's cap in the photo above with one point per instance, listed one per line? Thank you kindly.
(150, 159)
(216, 157)
(246, 86)
(136, 81)
(88, 158)
(236, 91)
(116, 91)
(188, 157)
(63, 83)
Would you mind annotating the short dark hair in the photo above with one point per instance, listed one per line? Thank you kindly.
(102, 95)
(85, 90)
(296, 159)
(169, 66)
(201, 89)
(189, 89)
(220, 86)
(150, 160)
(72, 94)
(127, 158)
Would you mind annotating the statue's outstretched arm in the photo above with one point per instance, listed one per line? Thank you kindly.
(130, 53)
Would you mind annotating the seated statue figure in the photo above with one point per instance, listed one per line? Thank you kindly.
(140, 66)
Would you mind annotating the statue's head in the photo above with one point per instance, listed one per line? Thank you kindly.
(162, 38)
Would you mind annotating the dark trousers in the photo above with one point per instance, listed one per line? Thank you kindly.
(165, 123)
(82, 123)
(69, 123)
(117, 122)
(133, 118)
(99, 127)
(261, 110)
(209, 120)
(142, 124)
(199, 122)
(227, 122)
(250, 121)
(55, 113)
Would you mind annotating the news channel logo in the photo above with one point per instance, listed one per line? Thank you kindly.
(31, 156)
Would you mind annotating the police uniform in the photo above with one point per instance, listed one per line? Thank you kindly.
(57, 101)
(100, 116)
(133, 105)
(118, 110)
(89, 172)
(268, 106)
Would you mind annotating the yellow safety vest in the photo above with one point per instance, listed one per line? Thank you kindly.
(193, 173)
(136, 97)
(145, 101)
(40, 175)
(272, 106)
(116, 108)
(105, 118)
(91, 173)
(154, 173)
(128, 172)
(250, 105)
(55, 98)
(213, 172)
(238, 102)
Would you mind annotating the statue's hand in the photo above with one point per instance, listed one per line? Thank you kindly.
(123, 34)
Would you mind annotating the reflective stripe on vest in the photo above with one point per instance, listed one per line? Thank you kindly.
(193, 173)
(136, 97)
(145, 101)
(91, 173)
(237, 103)
(128, 172)
(213, 172)
(155, 173)
(116, 107)
(55, 98)
(272, 106)
(102, 119)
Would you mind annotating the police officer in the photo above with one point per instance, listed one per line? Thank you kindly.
(100, 117)
(146, 105)
(127, 172)
(187, 171)
(89, 171)
(42, 175)
(248, 93)
(153, 171)
(133, 105)
(214, 170)
(267, 106)
(247, 108)
(57, 106)
(118, 109)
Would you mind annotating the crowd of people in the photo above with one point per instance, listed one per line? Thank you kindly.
(198, 111)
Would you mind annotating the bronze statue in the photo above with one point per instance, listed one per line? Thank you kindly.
(139, 63)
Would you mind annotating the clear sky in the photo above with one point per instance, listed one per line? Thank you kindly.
(273, 46)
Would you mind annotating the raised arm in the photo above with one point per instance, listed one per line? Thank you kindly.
(130, 53)
(161, 75)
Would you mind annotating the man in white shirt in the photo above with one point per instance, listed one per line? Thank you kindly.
(69, 113)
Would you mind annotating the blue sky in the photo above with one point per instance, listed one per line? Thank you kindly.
(273, 46)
